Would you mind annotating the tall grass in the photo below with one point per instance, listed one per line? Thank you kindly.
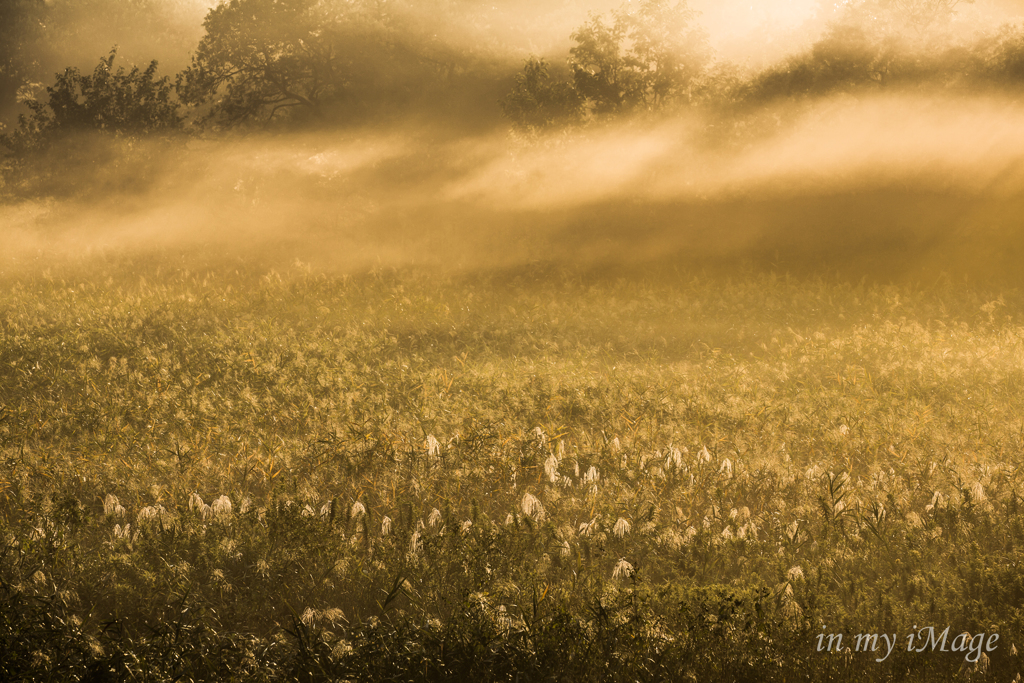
(532, 474)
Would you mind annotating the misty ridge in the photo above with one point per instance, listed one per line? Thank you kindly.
(478, 133)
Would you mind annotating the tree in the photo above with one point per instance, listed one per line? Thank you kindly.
(646, 59)
(117, 102)
(260, 57)
(538, 101)
(87, 121)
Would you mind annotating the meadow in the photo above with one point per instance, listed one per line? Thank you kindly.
(230, 469)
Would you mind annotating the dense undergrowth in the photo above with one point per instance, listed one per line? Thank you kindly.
(528, 474)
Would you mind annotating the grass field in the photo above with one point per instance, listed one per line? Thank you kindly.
(218, 470)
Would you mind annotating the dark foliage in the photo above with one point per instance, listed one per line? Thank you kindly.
(538, 101)
(87, 122)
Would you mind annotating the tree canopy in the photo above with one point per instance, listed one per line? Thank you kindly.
(645, 59)
(118, 102)
(259, 57)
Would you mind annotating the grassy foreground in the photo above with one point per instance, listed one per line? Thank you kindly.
(531, 474)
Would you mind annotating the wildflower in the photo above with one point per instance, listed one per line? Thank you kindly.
(332, 614)
(341, 650)
(532, 507)
(539, 436)
(795, 573)
(310, 617)
(703, 456)
(564, 549)
(357, 511)
(221, 507)
(465, 527)
(150, 512)
(385, 526)
(978, 492)
(936, 502)
(592, 476)
(675, 459)
(307, 511)
(112, 507)
(414, 542)
(623, 569)
(433, 446)
(621, 527)
(726, 467)
(435, 517)
(672, 539)
(551, 469)
(509, 519)
(615, 445)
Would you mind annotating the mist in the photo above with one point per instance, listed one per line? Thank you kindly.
(904, 183)
(896, 186)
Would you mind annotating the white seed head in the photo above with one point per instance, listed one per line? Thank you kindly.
(221, 507)
(622, 527)
(414, 542)
(358, 510)
(434, 518)
(726, 467)
(385, 526)
(674, 460)
(551, 469)
(111, 505)
(532, 507)
(623, 569)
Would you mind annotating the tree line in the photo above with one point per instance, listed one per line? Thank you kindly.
(309, 62)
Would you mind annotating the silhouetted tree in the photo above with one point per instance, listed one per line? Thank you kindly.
(647, 58)
(538, 101)
(120, 102)
(260, 57)
(86, 121)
